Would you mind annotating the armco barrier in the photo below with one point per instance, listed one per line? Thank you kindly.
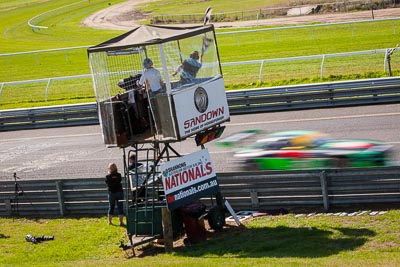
(309, 189)
(48, 117)
(322, 95)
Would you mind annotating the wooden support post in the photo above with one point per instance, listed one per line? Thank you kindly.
(167, 230)
(60, 195)
(324, 188)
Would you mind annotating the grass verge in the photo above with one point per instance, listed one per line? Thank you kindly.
(285, 240)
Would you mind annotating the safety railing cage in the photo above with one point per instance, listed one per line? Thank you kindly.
(191, 96)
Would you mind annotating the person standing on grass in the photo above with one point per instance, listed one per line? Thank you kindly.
(115, 193)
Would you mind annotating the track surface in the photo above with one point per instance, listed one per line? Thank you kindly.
(79, 152)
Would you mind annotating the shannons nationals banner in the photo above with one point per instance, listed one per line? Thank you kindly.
(188, 178)
(200, 107)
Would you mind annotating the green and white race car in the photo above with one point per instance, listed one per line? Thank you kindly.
(292, 150)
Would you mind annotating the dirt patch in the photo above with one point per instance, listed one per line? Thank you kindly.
(133, 15)
(122, 16)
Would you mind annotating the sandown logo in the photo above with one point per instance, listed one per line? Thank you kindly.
(201, 99)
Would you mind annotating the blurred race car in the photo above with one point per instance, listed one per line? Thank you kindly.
(292, 150)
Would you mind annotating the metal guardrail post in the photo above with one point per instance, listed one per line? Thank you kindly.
(8, 206)
(324, 188)
(321, 74)
(254, 199)
(388, 54)
(385, 60)
(261, 69)
(47, 89)
(237, 39)
(60, 195)
(352, 29)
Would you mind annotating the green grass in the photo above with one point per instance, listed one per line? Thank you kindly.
(266, 241)
(65, 30)
(64, 25)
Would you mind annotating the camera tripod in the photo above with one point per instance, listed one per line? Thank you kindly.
(17, 193)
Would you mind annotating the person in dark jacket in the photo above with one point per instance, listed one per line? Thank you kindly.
(115, 193)
(189, 67)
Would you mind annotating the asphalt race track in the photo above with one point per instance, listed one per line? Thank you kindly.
(79, 152)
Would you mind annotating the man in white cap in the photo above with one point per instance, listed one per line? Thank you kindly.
(151, 77)
(153, 82)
